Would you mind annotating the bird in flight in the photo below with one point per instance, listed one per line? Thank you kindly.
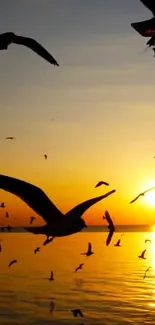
(142, 194)
(101, 183)
(110, 227)
(147, 240)
(2, 205)
(79, 267)
(7, 38)
(89, 251)
(142, 255)
(118, 243)
(148, 269)
(51, 277)
(77, 312)
(36, 250)
(7, 215)
(45, 156)
(10, 138)
(31, 220)
(57, 224)
(12, 262)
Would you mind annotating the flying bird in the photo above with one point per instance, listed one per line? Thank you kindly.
(89, 251)
(31, 220)
(10, 138)
(77, 312)
(36, 250)
(142, 255)
(142, 194)
(2, 205)
(79, 267)
(147, 240)
(118, 243)
(110, 227)
(7, 38)
(51, 277)
(57, 224)
(12, 262)
(48, 240)
(101, 183)
(148, 269)
(45, 156)
(7, 215)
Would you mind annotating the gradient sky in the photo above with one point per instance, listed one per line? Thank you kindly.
(102, 100)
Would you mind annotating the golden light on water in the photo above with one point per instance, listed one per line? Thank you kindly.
(153, 250)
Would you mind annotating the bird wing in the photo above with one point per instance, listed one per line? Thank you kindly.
(150, 189)
(80, 313)
(108, 218)
(36, 47)
(82, 207)
(33, 196)
(135, 199)
(143, 253)
(89, 247)
(150, 4)
(109, 237)
(101, 183)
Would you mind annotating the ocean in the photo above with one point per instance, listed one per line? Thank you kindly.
(110, 288)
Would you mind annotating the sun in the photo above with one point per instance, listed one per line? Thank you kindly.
(150, 197)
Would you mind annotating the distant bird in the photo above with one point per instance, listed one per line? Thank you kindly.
(77, 312)
(12, 262)
(8, 228)
(118, 243)
(45, 156)
(31, 220)
(146, 272)
(101, 183)
(110, 227)
(7, 215)
(142, 255)
(2, 205)
(79, 267)
(147, 240)
(57, 224)
(7, 38)
(51, 277)
(142, 194)
(10, 138)
(48, 240)
(36, 250)
(52, 306)
(89, 251)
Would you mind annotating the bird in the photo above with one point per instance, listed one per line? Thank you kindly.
(79, 267)
(89, 251)
(31, 220)
(111, 227)
(37, 249)
(147, 240)
(142, 255)
(146, 272)
(51, 277)
(7, 215)
(52, 306)
(142, 194)
(48, 240)
(118, 243)
(10, 138)
(12, 262)
(77, 312)
(45, 156)
(7, 38)
(101, 183)
(2, 205)
(57, 224)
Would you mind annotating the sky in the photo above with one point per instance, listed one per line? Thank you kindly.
(101, 98)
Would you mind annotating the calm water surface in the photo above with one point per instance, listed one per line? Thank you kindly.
(110, 289)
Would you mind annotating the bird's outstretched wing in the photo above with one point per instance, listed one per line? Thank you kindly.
(89, 247)
(33, 196)
(36, 47)
(135, 199)
(82, 207)
(101, 183)
(143, 253)
(150, 4)
(109, 237)
(110, 222)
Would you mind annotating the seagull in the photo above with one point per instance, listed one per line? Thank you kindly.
(31, 220)
(142, 255)
(147, 240)
(89, 251)
(7, 38)
(77, 312)
(142, 194)
(12, 262)
(2, 205)
(110, 227)
(45, 156)
(10, 138)
(51, 277)
(146, 272)
(79, 267)
(101, 183)
(118, 243)
(48, 240)
(57, 224)
(7, 215)
(37, 249)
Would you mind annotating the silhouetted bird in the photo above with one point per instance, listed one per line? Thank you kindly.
(142, 255)
(89, 251)
(2, 205)
(12, 262)
(48, 240)
(101, 183)
(147, 240)
(79, 267)
(118, 243)
(36, 250)
(7, 215)
(31, 220)
(51, 277)
(110, 227)
(142, 194)
(45, 156)
(77, 312)
(146, 272)
(7, 38)
(10, 138)
(57, 224)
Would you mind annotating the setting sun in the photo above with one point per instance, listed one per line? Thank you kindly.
(150, 198)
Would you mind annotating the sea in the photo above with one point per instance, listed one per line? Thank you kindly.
(109, 289)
